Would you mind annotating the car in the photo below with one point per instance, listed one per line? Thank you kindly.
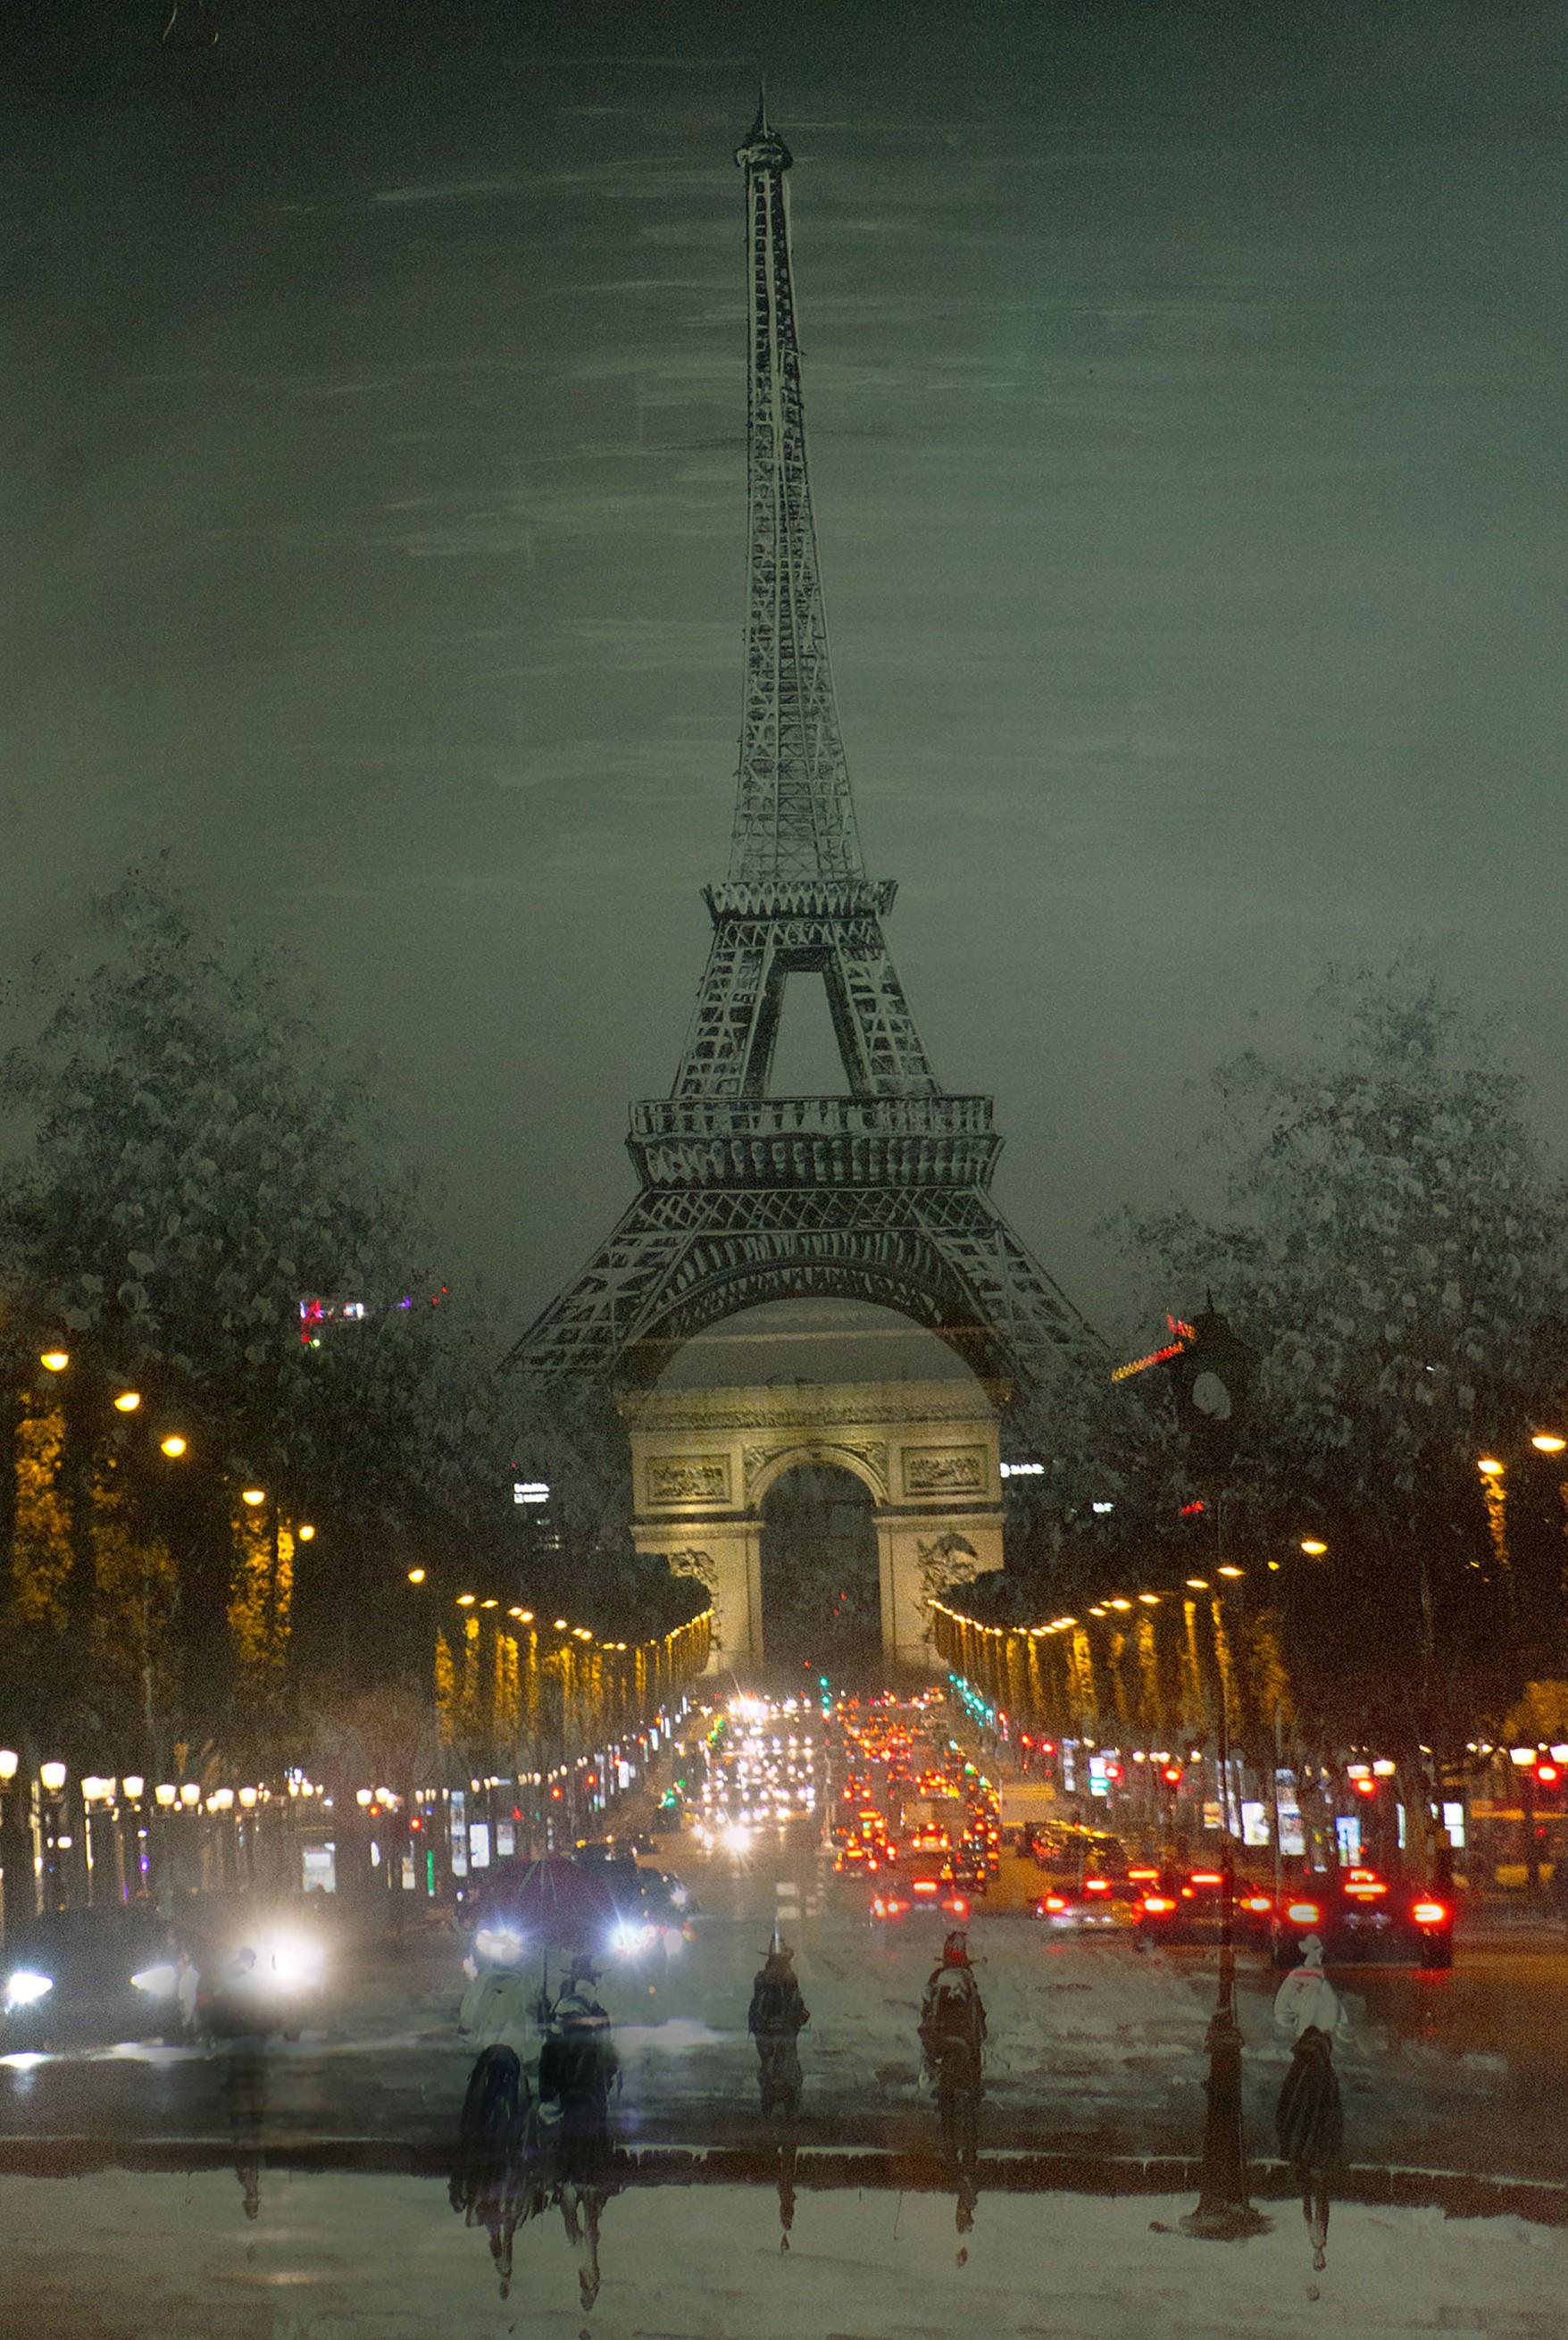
(922, 1894)
(1092, 1904)
(1063, 1847)
(856, 1860)
(1360, 1914)
(1184, 1905)
(73, 1975)
(123, 1971)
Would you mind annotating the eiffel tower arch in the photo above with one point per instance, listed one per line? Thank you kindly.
(881, 1193)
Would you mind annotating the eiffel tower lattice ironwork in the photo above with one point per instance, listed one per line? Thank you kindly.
(881, 1195)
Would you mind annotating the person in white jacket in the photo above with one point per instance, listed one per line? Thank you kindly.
(1307, 1997)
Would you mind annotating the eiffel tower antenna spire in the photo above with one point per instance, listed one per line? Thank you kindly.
(882, 1195)
(794, 813)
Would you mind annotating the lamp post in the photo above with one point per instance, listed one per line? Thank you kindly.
(52, 1781)
(1224, 2212)
(17, 1880)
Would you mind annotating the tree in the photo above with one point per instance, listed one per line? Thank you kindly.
(1393, 1245)
(188, 1161)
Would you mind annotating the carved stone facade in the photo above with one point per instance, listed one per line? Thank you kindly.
(704, 1460)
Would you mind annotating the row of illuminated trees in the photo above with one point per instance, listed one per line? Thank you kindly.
(513, 1691)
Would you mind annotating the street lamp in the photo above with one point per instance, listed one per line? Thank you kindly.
(16, 1843)
(306, 1531)
(416, 1576)
(55, 1361)
(51, 1779)
(173, 1445)
(1546, 1442)
(1313, 1547)
(127, 1402)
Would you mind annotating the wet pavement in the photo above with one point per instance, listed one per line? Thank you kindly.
(1095, 2050)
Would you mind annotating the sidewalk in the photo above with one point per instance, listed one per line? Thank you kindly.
(359, 2258)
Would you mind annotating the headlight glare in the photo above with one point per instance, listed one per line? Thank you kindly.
(24, 1988)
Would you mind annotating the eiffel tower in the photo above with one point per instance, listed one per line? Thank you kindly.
(881, 1195)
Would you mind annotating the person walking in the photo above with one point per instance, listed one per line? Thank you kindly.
(1309, 2120)
(577, 2069)
(495, 2182)
(777, 2016)
(952, 2038)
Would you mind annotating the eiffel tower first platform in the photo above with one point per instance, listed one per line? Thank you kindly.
(882, 1195)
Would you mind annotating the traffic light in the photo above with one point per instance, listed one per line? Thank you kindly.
(1171, 1775)
(1211, 1378)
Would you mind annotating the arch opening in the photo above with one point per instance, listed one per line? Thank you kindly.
(821, 1605)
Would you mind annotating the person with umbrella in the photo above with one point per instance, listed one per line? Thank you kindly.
(1309, 2120)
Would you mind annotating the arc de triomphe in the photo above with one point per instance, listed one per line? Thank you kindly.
(702, 1460)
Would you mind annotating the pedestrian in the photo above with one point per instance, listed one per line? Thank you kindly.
(494, 2183)
(1306, 1997)
(778, 2013)
(577, 2069)
(1309, 2120)
(498, 2010)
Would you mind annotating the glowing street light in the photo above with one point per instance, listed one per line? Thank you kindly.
(1546, 1442)
(1313, 1547)
(465, 1600)
(52, 1777)
(306, 1533)
(190, 1794)
(1489, 1467)
(1197, 1583)
(254, 1496)
(1226, 1569)
(127, 1402)
(55, 1361)
(173, 1445)
(416, 1576)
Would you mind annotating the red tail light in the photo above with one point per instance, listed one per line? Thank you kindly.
(1258, 1901)
(924, 1885)
(1054, 1901)
(1206, 1877)
(1368, 1892)
(1143, 1875)
(1303, 1913)
(1096, 1885)
(1157, 1904)
(959, 1906)
(1429, 1913)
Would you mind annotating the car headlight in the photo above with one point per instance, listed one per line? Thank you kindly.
(500, 1945)
(294, 1963)
(628, 1939)
(157, 1981)
(24, 1988)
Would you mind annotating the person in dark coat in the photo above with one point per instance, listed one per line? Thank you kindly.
(775, 2019)
(577, 2069)
(1310, 2125)
(494, 2183)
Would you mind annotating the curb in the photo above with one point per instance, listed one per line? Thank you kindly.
(1458, 2193)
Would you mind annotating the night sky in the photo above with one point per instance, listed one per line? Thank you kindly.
(1186, 392)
